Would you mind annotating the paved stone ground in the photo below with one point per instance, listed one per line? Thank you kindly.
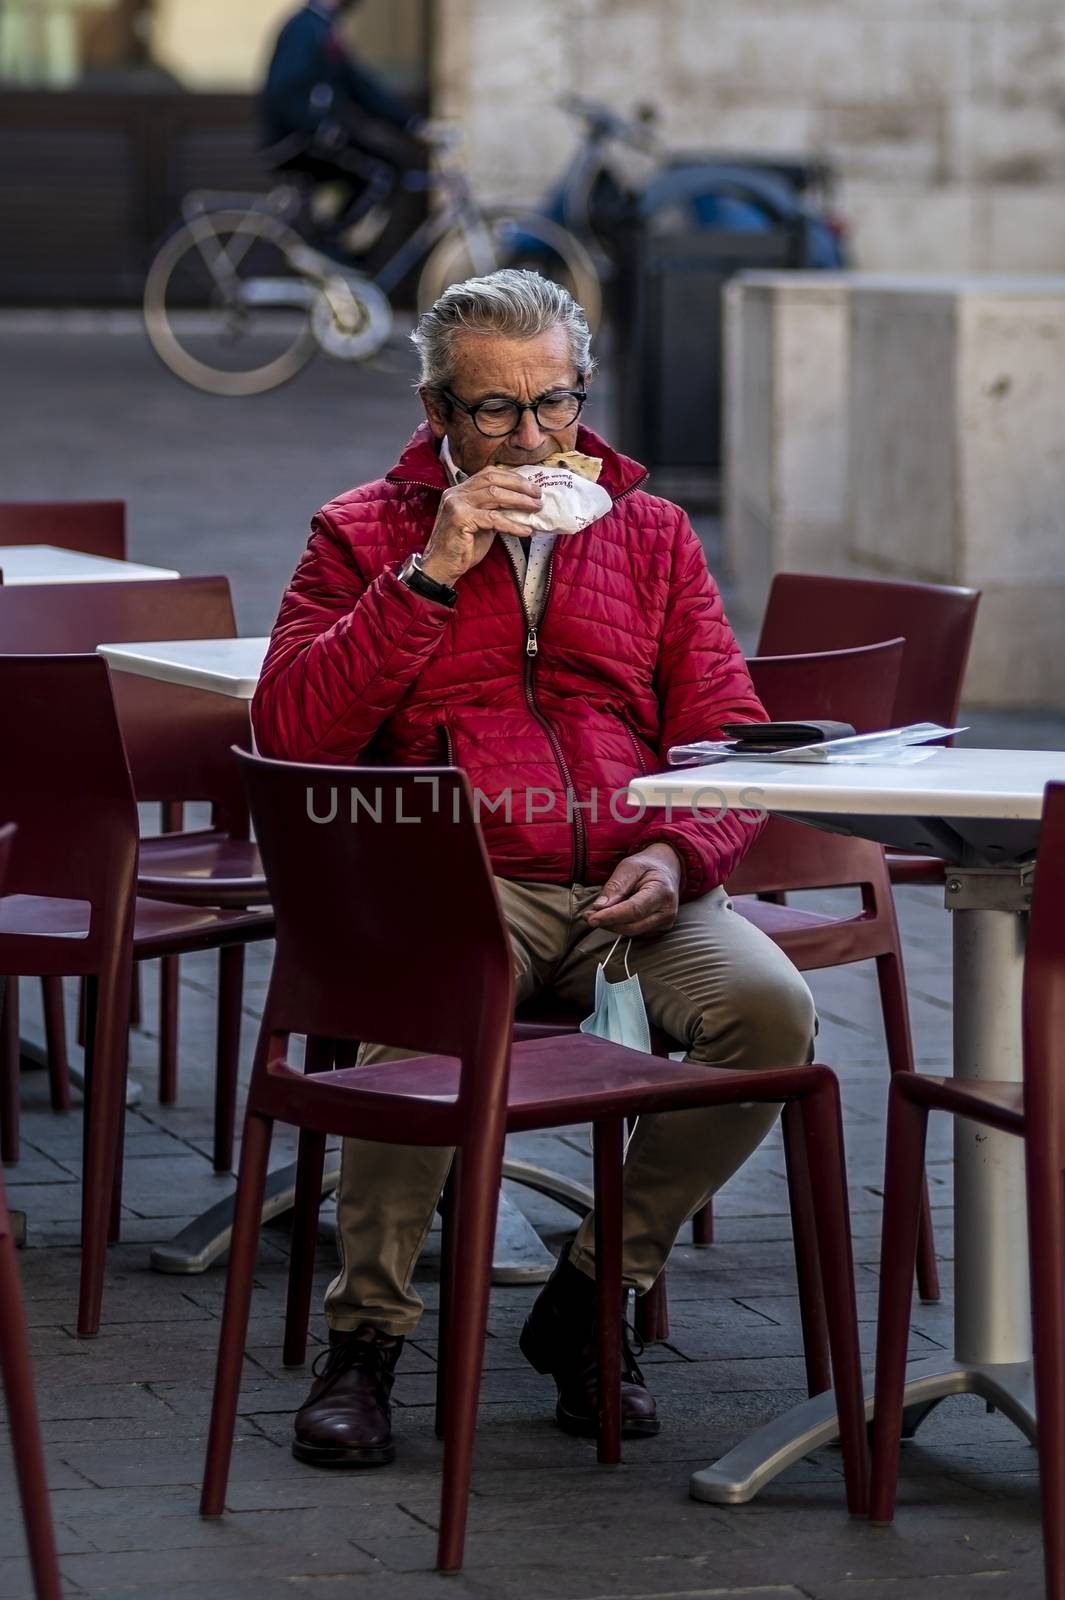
(216, 484)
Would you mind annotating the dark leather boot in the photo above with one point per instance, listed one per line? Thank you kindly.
(559, 1338)
(346, 1420)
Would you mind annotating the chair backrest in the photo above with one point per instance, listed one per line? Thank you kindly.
(855, 686)
(7, 834)
(66, 785)
(95, 527)
(178, 740)
(1044, 976)
(813, 611)
(389, 927)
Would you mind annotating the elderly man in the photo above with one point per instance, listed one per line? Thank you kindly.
(424, 625)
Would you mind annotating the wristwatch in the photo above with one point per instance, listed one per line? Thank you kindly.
(412, 575)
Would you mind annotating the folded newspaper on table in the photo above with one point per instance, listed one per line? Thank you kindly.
(892, 745)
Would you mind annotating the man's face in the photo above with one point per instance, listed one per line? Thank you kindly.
(491, 365)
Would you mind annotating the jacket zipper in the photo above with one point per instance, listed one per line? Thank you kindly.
(449, 748)
(637, 752)
(532, 647)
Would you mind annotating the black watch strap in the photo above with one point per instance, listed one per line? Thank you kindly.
(412, 575)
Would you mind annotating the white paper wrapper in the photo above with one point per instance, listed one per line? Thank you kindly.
(570, 502)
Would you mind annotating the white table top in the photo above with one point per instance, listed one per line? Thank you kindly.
(223, 666)
(1005, 784)
(48, 563)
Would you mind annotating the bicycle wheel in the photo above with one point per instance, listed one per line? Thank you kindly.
(514, 239)
(225, 305)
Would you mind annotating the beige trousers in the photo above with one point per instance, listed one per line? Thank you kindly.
(714, 982)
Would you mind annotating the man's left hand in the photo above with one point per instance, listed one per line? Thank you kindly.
(641, 895)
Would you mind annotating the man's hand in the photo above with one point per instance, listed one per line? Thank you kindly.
(641, 895)
(470, 516)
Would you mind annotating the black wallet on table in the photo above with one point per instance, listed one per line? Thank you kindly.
(766, 737)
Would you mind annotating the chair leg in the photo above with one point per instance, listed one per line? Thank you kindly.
(1046, 1244)
(651, 1315)
(135, 1007)
(807, 1256)
(55, 1036)
(9, 1075)
(25, 1429)
(608, 1152)
(304, 1239)
(169, 981)
(903, 1168)
(309, 1164)
(80, 1030)
(896, 1012)
(823, 1127)
(449, 1235)
(105, 1095)
(251, 1182)
(703, 1226)
(227, 1055)
(477, 1199)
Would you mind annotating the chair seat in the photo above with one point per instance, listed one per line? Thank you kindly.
(202, 868)
(908, 867)
(987, 1100)
(553, 1082)
(159, 928)
(811, 939)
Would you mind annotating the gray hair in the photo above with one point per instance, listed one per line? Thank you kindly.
(512, 302)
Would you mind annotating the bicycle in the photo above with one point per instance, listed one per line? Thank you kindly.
(237, 300)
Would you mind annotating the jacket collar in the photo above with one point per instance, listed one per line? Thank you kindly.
(420, 463)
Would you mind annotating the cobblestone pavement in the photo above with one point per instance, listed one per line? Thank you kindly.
(212, 485)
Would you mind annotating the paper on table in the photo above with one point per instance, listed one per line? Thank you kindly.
(861, 749)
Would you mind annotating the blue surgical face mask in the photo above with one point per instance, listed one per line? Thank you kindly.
(619, 1012)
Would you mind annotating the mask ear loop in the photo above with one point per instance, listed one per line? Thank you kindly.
(613, 947)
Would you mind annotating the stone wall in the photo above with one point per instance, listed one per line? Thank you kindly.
(947, 121)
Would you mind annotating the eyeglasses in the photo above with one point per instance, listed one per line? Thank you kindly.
(497, 416)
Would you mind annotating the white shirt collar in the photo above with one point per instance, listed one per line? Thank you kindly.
(455, 473)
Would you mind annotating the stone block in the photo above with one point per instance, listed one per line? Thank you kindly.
(895, 141)
(1018, 56)
(785, 435)
(957, 460)
(903, 228)
(1010, 140)
(1020, 228)
(918, 58)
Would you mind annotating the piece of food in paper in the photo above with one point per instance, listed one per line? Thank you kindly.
(570, 500)
(576, 461)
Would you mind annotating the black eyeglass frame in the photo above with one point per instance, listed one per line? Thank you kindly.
(580, 395)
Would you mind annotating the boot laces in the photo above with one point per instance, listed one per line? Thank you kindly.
(363, 1355)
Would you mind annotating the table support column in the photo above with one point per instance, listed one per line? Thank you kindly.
(991, 1308)
(992, 1317)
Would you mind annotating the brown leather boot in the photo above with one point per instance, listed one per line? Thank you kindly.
(346, 1420)
(559, 1338)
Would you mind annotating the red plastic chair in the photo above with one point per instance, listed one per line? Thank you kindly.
(859, 687)
(72, 908)
(347, 967)
(1035, 1112)
(17, 1374)
(856, 686)
(813, 611)
(179, 744)
(95, 527)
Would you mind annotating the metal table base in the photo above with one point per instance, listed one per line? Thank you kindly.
(739, 1475)
(520, 1255)
(992, 1320)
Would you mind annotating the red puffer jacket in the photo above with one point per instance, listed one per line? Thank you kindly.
(633, 654)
